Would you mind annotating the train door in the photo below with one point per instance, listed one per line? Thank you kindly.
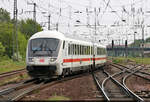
(65, 48)
(64, 53)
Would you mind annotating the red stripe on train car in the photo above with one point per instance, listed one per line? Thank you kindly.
(71, 60)
(85, 59)
(82, 59)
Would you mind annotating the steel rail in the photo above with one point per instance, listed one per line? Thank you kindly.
(132, 93)
(22, 92)
(26, 92)
(11, 73)
(136, 74)
(138, 71)
(100, 88)
(129, 92)
(13, 88)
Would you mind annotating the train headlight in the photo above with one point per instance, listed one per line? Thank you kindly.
(53, 59)
(30, 59)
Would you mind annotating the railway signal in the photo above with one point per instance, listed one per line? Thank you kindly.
(112, 43)
(126, 43)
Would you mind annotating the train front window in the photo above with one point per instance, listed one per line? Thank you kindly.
(44, 44)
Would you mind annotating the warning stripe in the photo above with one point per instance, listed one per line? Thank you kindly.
(82, 59)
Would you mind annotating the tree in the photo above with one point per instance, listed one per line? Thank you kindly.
(4, 15)
(29, 27)
(2, 50)
(6, 38)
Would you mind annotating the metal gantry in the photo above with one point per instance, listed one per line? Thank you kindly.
(15, 33)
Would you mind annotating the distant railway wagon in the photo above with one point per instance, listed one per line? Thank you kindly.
(52, 54)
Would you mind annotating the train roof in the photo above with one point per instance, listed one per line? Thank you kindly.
(58, 35)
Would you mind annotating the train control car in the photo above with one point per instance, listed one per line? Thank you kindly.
(51, 54)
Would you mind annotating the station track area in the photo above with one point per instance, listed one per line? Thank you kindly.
(113, 85)
(113, 81)
(22, 89)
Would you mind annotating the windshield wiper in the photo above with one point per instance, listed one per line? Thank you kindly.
(37, 49)
(50, 50)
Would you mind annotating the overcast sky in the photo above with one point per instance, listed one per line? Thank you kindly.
(69, 17)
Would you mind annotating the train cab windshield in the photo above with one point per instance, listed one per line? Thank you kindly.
(45, 46)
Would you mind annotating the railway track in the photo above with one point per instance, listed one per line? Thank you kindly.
(139, 73)
(22, 89)
(6, 74)
(119, 81)
(14, 91)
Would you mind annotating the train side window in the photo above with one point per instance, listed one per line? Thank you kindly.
(105, 51)
(80, 49)
(77, 49)
(73, 49)
(83, 50)
(99, 51)
(91, 50)
(63, 44)
(68, 49)
(88, 50)
(102, 51)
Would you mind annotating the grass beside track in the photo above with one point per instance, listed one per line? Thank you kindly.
(9, 65)
(58, 98)
(138, 60)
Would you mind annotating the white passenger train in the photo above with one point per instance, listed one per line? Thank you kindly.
(52, 54)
